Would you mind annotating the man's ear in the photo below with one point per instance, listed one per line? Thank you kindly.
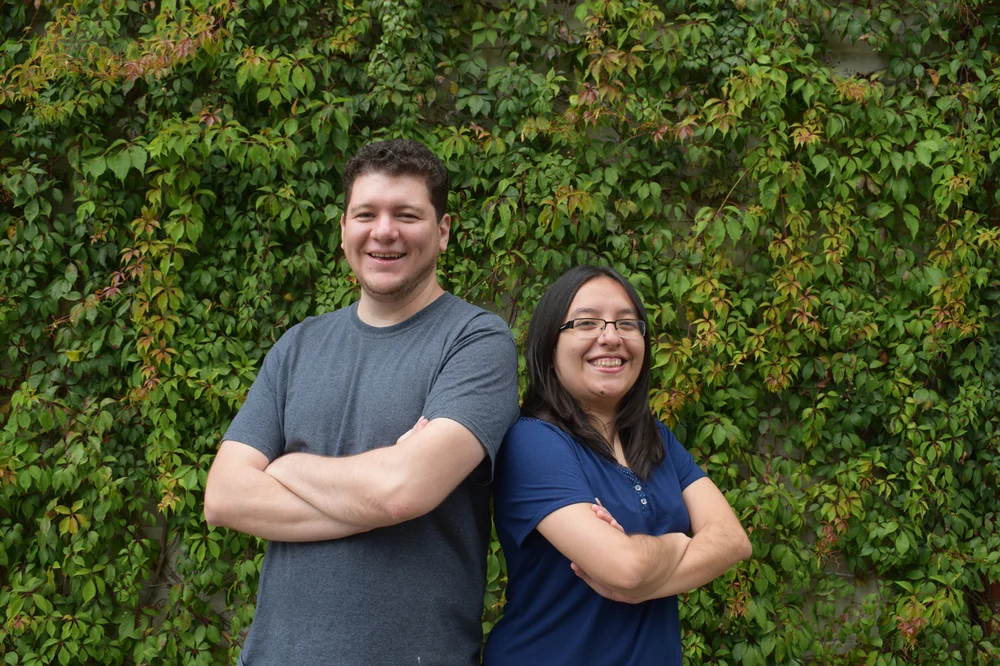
(342, 232)
(444, 227)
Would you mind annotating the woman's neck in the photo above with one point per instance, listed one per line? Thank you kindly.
(605, 427)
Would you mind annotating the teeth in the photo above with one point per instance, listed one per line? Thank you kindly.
(607, 362)
(382, 255)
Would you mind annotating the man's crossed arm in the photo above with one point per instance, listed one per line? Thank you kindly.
(306, 497)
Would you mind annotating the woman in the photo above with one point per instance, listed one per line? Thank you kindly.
(583, 587)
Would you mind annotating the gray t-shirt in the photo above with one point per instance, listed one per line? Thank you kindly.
(410, 593)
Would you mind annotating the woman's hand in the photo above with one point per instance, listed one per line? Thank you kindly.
(602, 589)
(605, 591)
(601, 512)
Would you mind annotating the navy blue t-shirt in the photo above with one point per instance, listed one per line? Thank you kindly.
(552, 617)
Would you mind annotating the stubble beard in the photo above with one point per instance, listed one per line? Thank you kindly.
(401, 291)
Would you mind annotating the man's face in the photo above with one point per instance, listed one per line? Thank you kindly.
(391, 237)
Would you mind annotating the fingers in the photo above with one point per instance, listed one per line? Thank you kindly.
(605, 515)
(601, 589)
(417, 427)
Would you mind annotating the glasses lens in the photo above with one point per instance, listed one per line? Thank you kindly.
(631, 328)
(588, 325)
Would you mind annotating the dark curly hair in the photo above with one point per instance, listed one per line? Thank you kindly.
(400, 157)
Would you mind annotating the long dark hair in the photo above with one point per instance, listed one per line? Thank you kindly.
(548, 400)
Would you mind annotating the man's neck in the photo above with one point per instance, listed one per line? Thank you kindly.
(382, 313)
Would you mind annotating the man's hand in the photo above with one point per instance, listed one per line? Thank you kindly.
(417, 427)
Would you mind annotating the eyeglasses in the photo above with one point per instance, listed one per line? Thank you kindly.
(593, 326)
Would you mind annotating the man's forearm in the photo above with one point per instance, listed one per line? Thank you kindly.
(346, 489)
(387, 485)
(258, 504)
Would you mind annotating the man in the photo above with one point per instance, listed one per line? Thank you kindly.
(365, 447)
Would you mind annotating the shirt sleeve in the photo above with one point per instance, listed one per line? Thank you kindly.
(538, 472)
(477, 385)
(260, 421)
(687, 470)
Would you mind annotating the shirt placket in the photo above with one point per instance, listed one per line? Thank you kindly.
(637, 487)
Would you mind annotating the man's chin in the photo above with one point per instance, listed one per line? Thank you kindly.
(395, 290)
(389, 291)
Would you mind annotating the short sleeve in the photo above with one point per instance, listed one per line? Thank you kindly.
(259, 423)
(687, 470)
(477, 385)
(538, 472)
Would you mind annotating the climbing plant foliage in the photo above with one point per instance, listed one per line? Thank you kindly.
(818, 250)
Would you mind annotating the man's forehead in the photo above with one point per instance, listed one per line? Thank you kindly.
(376, 187)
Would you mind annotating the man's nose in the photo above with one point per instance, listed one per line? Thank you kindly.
(385, 228)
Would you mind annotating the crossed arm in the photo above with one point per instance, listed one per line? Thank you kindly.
(634, 568)
(305, 497)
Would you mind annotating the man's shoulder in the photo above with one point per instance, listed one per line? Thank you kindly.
(471, 314)
(322, 321)
(314, 330)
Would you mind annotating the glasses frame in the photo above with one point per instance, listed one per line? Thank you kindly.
(572, 323)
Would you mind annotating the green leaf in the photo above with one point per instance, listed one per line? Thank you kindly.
(120, 163)
(138, 157)
(115, 336)
(900, 189)
(95, 166)
(902, 543)
(925, 151)
(734, 228)
(897, 161)
(299, 79)
(31, 210)
(89, 590)
(820, 163)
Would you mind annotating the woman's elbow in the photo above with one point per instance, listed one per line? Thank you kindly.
(625, 573)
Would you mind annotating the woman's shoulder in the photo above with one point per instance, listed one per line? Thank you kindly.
(532, 434)
(533, 427)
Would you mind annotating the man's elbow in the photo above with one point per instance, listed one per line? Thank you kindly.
(215, 509)
(402, 500)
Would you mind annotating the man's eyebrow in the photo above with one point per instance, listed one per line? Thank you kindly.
(400, 208)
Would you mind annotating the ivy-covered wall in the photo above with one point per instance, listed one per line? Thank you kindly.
(819, 255)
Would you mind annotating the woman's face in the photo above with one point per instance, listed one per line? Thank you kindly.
(598, 367)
